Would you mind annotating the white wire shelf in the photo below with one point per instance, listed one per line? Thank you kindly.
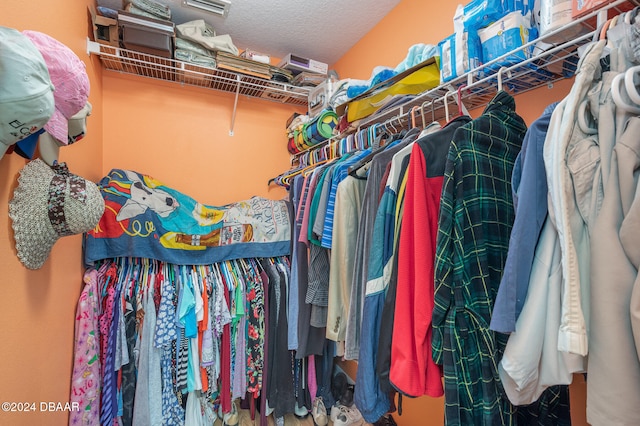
(137, 63)
(478, 87)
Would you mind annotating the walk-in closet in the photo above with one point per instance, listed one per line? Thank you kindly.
(245, 212)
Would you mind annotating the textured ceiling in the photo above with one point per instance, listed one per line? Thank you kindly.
(323, 30)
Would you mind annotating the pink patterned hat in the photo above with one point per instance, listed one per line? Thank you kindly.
(69, 77)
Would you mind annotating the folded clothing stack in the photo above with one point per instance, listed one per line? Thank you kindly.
(197, 43)
(149, 8)
(188, 51)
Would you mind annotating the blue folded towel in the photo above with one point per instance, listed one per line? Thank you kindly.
(382, 75)
(417, 53)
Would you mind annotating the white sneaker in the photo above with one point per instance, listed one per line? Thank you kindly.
(231, 418)
(319, 412)
(300, 412)
(336, 410)
(347, 416)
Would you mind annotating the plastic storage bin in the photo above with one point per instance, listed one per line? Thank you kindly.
(147, 35)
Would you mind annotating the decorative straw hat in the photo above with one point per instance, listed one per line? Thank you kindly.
(49, 203)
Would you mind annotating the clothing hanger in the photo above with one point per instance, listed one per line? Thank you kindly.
(431, 102)
(355, 168)
(285, 178)
(461, 108)
(333, 149)
(446, 107)
(631, 85)
(344, 144)
(256, 265)
(433, 110)
(500, 71)
(586, 121)
(413, 118)
(396, 130)
(605, 28)
(424, 123)
(616, 94)
(427, 127)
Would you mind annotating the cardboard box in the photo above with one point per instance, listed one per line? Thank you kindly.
(105, 30)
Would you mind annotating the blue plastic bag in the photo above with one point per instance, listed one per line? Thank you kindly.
(507, 35)
(459, 53)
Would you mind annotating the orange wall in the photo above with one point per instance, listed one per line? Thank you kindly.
(37, 308)
(418, 21)
(180, 136)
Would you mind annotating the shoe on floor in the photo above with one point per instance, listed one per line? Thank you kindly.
(347, 396)
(319, 412)
(231, 418)
(346, 416)
(339, 384)
(386, 421)
(300, 412)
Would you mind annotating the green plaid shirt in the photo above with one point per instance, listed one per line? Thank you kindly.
(476, 216)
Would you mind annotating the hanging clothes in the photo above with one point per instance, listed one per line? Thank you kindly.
(370, 204)
(613, 386)
(348, 206)
(476, 215)
(530, 190)
(148, 397)
(531, 362)
(85, 379)
(533, 372)
(160, 340)
(255, 330)
(295, 194)
(572, 176)
(108, 326)
(280, 392)
(368, 396)
(310, 339)
(412, 370)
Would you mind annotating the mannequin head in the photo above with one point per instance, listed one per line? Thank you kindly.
(49, 146)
